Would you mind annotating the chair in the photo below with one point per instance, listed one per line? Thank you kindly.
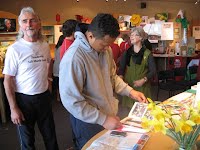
(180, 77)
(192, 74)
(175, 62)
(166, 81)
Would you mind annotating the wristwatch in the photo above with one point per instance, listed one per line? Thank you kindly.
(145, 79)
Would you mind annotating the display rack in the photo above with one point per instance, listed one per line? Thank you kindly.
(48, 31)
(52, 33)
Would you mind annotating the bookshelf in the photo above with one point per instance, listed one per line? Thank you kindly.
(52, 33)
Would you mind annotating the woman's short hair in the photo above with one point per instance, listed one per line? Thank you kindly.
(140, 32)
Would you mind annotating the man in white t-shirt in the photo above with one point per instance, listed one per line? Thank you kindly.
(26, 83)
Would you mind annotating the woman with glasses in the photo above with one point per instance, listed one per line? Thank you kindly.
(137, 65)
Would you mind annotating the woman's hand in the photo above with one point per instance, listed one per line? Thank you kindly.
(139, 83)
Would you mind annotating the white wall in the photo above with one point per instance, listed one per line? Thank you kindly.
(47, 9)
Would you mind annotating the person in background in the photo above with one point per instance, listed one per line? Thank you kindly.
(88, 79)
(125, 44)
(147, 43)
(137, 66)
(116, 52)
(68, 30)
(26, 70)
(56, 68)
(82, 27)
(8, 26)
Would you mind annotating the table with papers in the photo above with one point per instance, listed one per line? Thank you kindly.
(103, 140)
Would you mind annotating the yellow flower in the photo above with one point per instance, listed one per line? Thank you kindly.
(184, 126)
(159, 126)
(150, 100)
(136, 19)
(198, 106)
(151, 105)
(146, 124)
(159, 114)
(195, 117)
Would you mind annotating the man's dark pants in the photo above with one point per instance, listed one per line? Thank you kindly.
(36, 109)
(83, 131)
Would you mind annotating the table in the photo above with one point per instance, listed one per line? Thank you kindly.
(157, 141)
(162, 59)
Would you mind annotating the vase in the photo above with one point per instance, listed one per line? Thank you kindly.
(184, 146)
(184, 39)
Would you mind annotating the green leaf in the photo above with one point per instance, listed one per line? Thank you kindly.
(172, 134)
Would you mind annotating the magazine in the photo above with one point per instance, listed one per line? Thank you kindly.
(132, 123)
(133, 141)
(131, 136)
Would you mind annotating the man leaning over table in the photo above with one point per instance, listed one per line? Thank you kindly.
(88, 80)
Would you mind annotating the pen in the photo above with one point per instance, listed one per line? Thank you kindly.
(135, 147)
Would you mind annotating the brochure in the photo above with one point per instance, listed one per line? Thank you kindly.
(135, 136)
(133, 141)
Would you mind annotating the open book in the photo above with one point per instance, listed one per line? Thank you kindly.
(132, 123)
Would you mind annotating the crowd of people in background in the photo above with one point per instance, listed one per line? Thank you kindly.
(89, 68)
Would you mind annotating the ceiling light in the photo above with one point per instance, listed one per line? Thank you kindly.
(197, 2)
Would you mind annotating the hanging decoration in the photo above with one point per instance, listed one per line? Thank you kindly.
(83, 19)
(58, 18)
(180, 18)
(184, 22)
(162, 16)
(79, 18)
(135, 20)
(86, 20)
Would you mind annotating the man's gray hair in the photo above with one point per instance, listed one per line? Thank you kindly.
(31, 11)
(6, 20)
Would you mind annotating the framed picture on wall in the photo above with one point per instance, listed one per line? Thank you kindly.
(7, 25)
(196, 32)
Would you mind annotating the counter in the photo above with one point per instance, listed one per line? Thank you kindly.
(163, 60)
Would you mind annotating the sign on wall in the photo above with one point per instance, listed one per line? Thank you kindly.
(196, 32)
(167, 31)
